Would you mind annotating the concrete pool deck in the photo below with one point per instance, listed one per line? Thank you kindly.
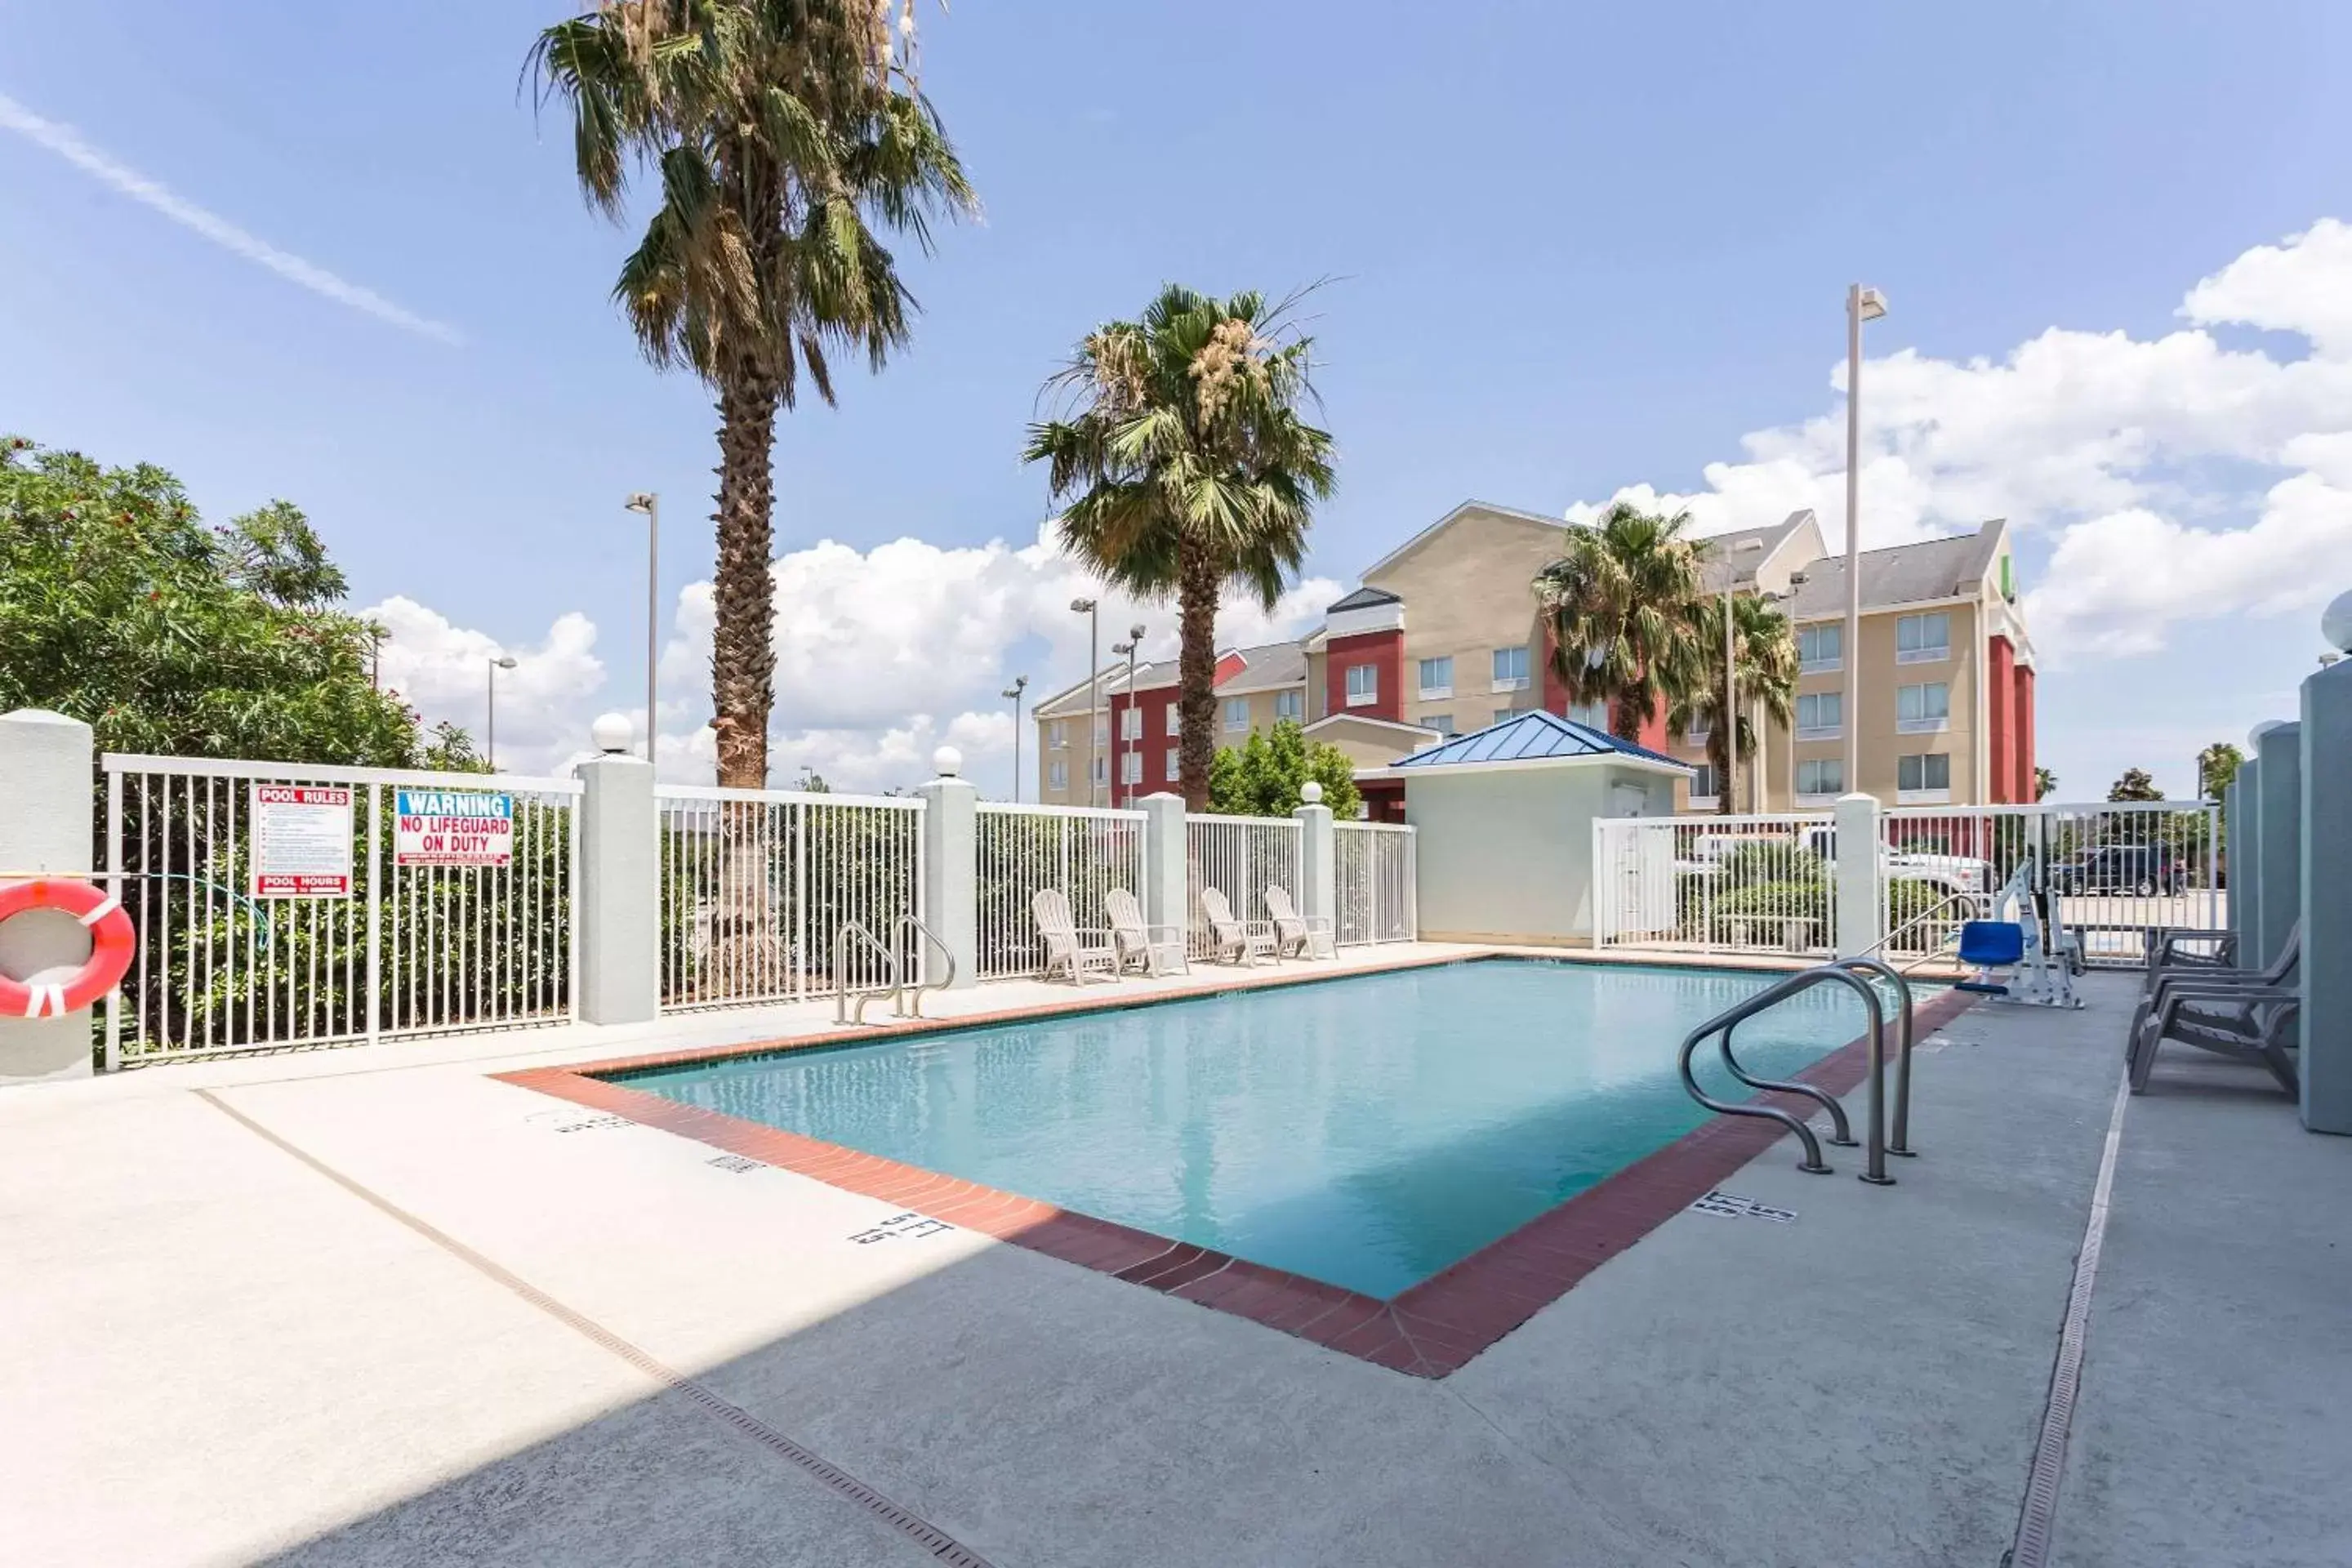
(374, 1306)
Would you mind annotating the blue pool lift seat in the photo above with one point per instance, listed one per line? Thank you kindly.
(1988, 945)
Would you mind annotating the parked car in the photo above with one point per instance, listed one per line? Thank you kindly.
(1953, 873)
(2142, 869)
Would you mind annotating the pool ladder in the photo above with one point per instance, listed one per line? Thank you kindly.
(905, 997)
(1843, 971)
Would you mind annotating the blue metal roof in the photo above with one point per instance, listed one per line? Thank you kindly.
(1530, 736)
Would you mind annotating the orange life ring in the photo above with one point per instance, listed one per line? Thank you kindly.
(112, 941)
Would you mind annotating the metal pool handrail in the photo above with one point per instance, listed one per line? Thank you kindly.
(914, 1009)
(842, 1011)
(1772, 996)
(1900, 1142)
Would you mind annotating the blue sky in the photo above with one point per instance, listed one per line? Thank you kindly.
(1570, 249)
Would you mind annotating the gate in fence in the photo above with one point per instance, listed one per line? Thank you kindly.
(286, 904)
(1374, 870)
(757, 886)
(1240, 856)
(1084, 852)
(1716, 884)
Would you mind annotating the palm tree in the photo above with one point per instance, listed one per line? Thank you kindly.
(1182, 466)
(784, 134)
(1618, 605)
(1764, 665)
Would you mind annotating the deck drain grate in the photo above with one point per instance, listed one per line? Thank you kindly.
(1731, 1205)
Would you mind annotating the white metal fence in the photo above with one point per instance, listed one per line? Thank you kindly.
(1084, 852)
(1375, 877)
(758, 885)
(1716, 884)
(1240, 856)
(396, 945)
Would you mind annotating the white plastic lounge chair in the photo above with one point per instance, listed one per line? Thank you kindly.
(1156, 950)
(1067, 947)
(1233, 939)
(1294, 933)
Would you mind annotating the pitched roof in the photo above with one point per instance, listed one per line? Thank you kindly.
(1943, 568)
(1363, 599)
(1509, 513)
(1532, 736)
(1267, 668)
(1729, 560)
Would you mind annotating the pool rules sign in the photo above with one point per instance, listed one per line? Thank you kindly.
(452, 827)
(301, 841)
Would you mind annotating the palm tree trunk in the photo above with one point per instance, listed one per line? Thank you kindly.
(1626, 718)
(1197, 586)
(1718, 754)
(742, 654)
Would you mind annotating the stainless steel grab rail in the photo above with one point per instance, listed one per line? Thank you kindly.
(1842, 971)
(1900, 1142)
(901, 1005)
(842, 1011)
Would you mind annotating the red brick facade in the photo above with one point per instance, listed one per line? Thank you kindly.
(1384, 651)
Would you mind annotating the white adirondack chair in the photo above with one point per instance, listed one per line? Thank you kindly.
(1067, 947)
(1231, 938)
(1156, 950)
(1293, 932)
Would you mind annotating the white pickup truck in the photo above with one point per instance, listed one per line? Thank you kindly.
(1953, 873)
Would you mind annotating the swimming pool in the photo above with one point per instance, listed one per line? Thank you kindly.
(1365, 1132)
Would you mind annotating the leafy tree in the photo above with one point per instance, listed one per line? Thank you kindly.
(1267, 776)
(1764, 664)
(2216, 767)
(1619, 604)
(2135, 784)
(2045, 783)
(1184, 467)
(119, 608)
(784, 134)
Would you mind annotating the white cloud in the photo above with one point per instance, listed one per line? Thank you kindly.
(66, 144)
(443, 671)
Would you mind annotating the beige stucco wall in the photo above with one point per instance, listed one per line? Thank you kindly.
(1370, 745)
(1466, 592)
(1506, 853)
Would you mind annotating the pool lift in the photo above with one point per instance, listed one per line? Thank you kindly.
(2024, 936)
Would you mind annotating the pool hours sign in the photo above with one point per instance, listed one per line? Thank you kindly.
(452, 827)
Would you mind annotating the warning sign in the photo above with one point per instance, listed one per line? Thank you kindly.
(452, 827)
(301, 841)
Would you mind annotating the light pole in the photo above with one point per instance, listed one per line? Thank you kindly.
(1020, 684)
(1088, 608)
(1727, 786)
(375, 657)
(1134, 641)
(1861, 305)
(647, 502)
(490, 728)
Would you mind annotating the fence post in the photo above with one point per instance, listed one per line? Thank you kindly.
(2281, 824)
(1319, 861)
(2233, 849)
(44, 815)
(1859, 908)
(2246, 860)
(619, 937)
(1167, 884)
(2326, 871)
(951, 864)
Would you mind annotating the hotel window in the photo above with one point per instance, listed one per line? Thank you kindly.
(1702, 784)
(1175, 721)
(1821, 715)
(1503, 713)
(1058, 736)
(1511, 669)
(1923, 639)
(1820, 776)
(1236, 712)
(1819, 649)
(1592, 715)
(1437, 677)
(1696, 734)
(1102, 770)
(1057, 776)
(1175, 765)
(1363, 685)
(1929, 773)
(1289, 705)
(1923, 710)
(1131, 768)
(1440, 723)
(1131, 724)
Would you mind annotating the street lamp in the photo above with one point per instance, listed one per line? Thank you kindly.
(647, 502)
(1134, 641)
(1087, 607)
(490, 728)
(1861, 305)
(1013, 691)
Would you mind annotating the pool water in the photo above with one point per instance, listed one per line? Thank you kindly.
(1367, 1131)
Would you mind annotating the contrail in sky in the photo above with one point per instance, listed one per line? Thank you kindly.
(66, 144)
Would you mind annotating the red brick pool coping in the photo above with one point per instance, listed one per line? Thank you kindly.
(1429, 1331)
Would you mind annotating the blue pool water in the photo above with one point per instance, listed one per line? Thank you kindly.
(1367, 1131)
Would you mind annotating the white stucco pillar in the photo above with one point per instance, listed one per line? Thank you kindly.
(45, 826)
(1167, 889)
(951, 867)
(619, 897)
(1860, 908)
(2281, 848)
(1319, 861)
(2326, 871)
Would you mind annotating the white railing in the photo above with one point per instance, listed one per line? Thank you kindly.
(1374, 872)
(1716, 884)
(756, 884)
(1084, 851)
(2118, 868)
(383, 937)
(1240, 856)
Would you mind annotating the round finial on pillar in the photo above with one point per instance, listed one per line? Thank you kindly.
(1312, 793)
(612, 733)
(2254, 736)
(947, 762)
(2336, 622)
